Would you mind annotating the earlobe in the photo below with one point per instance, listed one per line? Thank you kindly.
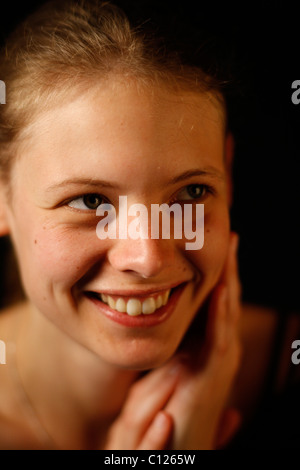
(229, 153)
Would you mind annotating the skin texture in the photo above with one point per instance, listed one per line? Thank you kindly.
(137, 142)
(196, 386)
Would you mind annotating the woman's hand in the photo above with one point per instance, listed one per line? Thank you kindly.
(143, 424)
(198, 406)
(183, 405)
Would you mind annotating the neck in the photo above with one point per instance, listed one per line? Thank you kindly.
(74, 393)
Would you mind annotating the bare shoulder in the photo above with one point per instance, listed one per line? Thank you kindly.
(258, 330)
(13, 434)
(7, 317)
(7, 428)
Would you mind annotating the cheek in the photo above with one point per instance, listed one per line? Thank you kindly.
(210, 260)
(66, 255)
(56, 255)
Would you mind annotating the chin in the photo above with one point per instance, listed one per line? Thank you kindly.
(146, 360)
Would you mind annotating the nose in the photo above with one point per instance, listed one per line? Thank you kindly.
(144, 257)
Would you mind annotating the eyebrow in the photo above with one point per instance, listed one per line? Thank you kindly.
(209, 171)
(83, 182)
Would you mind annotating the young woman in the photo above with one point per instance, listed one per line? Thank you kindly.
(125, 342)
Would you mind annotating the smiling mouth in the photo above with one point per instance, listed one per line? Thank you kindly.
(135, 305)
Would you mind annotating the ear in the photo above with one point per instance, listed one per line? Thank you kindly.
(229, 153)
(4, 227)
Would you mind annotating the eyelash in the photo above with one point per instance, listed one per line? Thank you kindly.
(95, 195)
(207, 189)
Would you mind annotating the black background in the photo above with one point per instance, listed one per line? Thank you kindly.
(265, 39)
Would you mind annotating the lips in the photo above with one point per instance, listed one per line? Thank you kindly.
(137, 309)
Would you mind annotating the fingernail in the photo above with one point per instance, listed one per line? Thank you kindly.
(176, 367)
(160, 420)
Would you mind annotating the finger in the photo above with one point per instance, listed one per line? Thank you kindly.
(146, 398)
(234, 298)
(227, 302)
(224, 354)
(231, 278)
(216, 331)
(159, 433)
(220, 327)
(224, 304)
(152, 391)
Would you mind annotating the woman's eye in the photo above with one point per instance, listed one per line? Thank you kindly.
(87, 202)
(192, 191)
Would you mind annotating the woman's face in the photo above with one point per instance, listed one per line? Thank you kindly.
(153, 147)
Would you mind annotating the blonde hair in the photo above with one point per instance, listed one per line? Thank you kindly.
(65, 46)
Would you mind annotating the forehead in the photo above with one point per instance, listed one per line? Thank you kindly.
(124, 122)
(117, 103)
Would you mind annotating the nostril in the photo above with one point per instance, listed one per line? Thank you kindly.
(144, 257)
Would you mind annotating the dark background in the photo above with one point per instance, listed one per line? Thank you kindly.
(260, 40)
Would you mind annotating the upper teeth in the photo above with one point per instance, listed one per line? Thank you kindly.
(133, 306)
